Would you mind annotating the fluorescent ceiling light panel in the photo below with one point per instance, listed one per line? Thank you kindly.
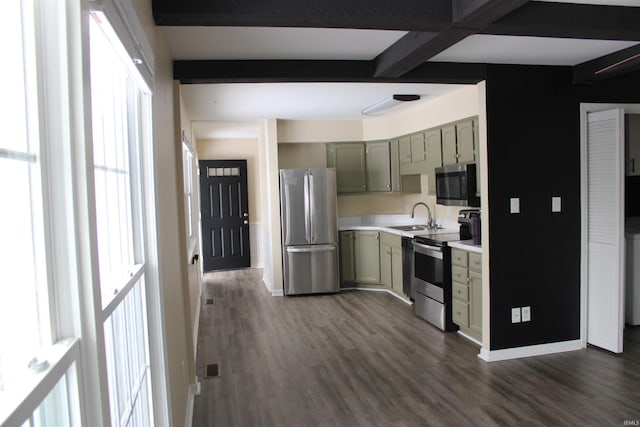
(387, 103)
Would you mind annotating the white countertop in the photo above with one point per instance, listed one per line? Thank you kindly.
(385, 222)
(466, 245)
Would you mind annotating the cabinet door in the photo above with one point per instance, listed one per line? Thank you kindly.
(378, 167)
(386, 271)
(396, 269)
(449, 150)
(367, 255)
(347, 260)
(349, 161)
(475, 306)
(396, 179)
(466, 141)
(433, 152)
(404, 147)
(417, 147)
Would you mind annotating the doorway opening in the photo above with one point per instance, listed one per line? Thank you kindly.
(604, 267)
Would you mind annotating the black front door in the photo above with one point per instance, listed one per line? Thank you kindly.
(224, 214)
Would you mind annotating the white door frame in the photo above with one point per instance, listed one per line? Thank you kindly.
(586, 108)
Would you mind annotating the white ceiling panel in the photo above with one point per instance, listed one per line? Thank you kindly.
(230, 43)
(528, 50)
(242, 102)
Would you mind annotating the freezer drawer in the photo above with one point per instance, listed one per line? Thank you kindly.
(311, 269)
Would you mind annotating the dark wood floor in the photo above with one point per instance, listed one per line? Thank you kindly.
(363, 359)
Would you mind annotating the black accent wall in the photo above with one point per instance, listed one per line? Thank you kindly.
(533, 152)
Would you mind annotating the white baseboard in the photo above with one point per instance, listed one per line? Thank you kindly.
(528, 351)
(194, 390)
(273, 292)
(196, 325)
(390, 292)
(470, 338)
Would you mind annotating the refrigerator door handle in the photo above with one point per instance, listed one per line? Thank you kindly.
(317, 248)
(312, 208)
(307, 225)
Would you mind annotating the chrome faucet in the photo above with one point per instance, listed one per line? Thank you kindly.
(430, 220)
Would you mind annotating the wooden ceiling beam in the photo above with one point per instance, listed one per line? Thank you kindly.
(404, 15)
(415, 48)
(275, 71)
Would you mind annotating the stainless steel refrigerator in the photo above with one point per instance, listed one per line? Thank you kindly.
(309, 231)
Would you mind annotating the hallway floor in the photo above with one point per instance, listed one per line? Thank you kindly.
(363, 359)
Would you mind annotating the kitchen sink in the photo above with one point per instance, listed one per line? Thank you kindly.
(412, 227)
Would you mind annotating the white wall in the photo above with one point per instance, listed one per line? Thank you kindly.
(273, 252)
(179, 349)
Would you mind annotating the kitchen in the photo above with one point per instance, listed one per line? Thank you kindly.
(298, 146)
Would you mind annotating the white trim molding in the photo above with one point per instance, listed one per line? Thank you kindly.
(269, 286)
(389, 291)
(531, 350)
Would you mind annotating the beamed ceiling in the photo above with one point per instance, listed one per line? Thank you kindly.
(240, 61)
(427, 29)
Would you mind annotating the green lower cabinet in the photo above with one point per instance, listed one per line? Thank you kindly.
(347, 257)
(367, 256)
(371, 257)
(396, 269)
(391, 261)
(466, 274)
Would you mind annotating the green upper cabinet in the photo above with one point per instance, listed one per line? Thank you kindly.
(350, 163)
(465, 135)
(394, 152)
(460, 142)
(433, 149)
(378, 166)
(449, 146)
(417, 147)
(412, 154)
(404, 149)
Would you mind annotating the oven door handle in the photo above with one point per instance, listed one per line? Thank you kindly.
(432, 251)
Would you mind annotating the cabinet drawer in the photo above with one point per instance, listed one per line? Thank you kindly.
(475, 261)
(459, 257)
(460, 313)
(459, 274)
(460, 291)
(390, 239)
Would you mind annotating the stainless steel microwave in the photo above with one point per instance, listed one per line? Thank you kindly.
(456, 185)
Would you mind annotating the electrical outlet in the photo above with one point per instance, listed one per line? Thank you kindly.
(515, 315)
(526, 314)
(514, 203)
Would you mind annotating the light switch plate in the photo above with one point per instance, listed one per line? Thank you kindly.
(515, 205)
(556, 204)
(515, 315)
(526, 314)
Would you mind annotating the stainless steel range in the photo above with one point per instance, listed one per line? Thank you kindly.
(431, 280)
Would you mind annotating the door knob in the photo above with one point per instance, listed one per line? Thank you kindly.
(245, 222)
(245, 214)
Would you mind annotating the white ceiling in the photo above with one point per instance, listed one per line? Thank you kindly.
(277, 43)
(528, 50)
(235, 107)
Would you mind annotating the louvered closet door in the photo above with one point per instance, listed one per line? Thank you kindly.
(605, 162)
